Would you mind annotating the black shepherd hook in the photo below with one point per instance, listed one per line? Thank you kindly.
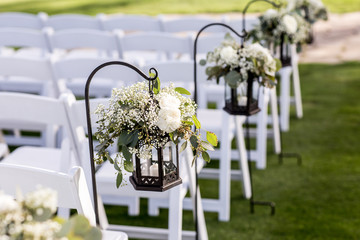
(88, 119)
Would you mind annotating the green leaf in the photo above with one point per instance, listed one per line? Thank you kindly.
(194, 141)
(183, 146)
(212, 138)
(207, 146)
(134, 138)
(126, 153)
(80, 225)
(233, 79)
(202, 62)
(128, 166)
(93, 234)
(119, 179)
(205, 156)
(188, 123)
(116, 166)
(196, 122)
(125, 138)
(109, 158)
(278, 64)
(182, 91)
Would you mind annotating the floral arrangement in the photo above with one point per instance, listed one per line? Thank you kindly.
(31, 217)
(142, 120)
(235, 63)
(275, 24)
(310, 10)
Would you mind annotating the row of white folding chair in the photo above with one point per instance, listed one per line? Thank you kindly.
(71, 189)
(58, 112)
(120, 21)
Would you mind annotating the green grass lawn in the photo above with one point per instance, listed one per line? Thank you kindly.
(318, 200)
(152, 7)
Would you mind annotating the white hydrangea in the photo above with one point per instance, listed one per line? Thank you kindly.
(7, 204)
(229, 55)
(290, 24)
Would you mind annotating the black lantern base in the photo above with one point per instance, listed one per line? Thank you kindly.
(310, 38)
(241, 110)
(153, 187)
(286, 62)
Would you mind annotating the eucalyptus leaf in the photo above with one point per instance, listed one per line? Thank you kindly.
(202, 62)
(207, 146)
(80, 225)
(194, 141)
(233, 79)
(119, 178)
(126, 153)
(182, 91)
(196, 122)
(183, 146)
(212, 138)
(125, 138)
(205, 156)
(128, 166)
(93, 234)
(116, 166)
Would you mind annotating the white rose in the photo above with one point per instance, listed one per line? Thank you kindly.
(290, 24)
(169, 119)
(229, 55)
(271, 13)
(168, 101)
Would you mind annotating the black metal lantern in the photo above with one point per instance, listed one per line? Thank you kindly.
(242, 100)
(310, 38)
(160, 172)
(285, 52)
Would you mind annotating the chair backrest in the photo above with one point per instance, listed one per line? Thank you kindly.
(28, 70)
(21, 20)
(103, 81)
(24, 38)
(130, 23)
(71, 188)
(190, 24)
(103, 42)
(73, 21)
(168, 44)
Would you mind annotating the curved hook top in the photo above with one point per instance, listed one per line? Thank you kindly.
(248, 5)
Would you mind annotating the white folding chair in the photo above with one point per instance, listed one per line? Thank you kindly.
(145, 47)
(81, 43)
(126, 195)
(285, 98)
(28, 111)
(130, 23)
(32, 43)
(4, 149)
(21, 20)
(71, 189)
(72, 21)
(224, 126)
(75, 71)
(189, 24)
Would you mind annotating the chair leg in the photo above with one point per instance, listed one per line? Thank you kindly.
(225, 169)
(297, 91)
(275, 120)
(285, 98)
(175, 214)
(261, 129)
(243, 158)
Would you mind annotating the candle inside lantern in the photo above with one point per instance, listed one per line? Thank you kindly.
(144, 169)
(154, 170)
(242, 100)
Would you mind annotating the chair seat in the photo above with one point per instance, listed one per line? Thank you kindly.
(114, 235)
(39, 157)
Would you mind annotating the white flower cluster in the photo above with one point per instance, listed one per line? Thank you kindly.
(154, 118)
(17, 217)
(251, 58)
(312, 10)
